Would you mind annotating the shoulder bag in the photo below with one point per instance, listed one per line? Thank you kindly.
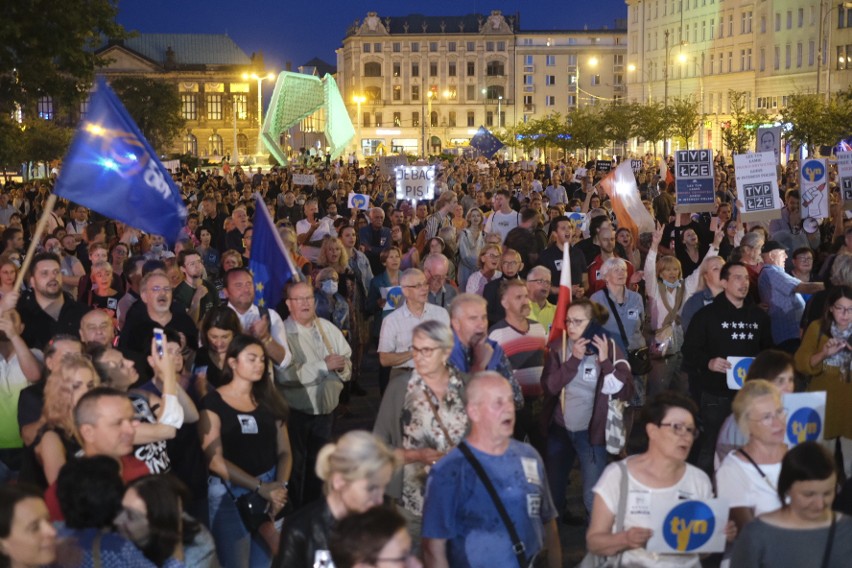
(639, 359)
(594, 560)
(517, 544)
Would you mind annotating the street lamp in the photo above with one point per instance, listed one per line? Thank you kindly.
(484, 105)
(499, 109)
(593, 62)
(845, 6)
(259, 79)
(358, 99)
(668, 49)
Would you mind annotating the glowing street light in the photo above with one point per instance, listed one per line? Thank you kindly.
(259, 79)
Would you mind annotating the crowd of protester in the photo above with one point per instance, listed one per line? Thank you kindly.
(214, 443)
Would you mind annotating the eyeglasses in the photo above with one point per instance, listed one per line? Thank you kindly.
(158, 289)
(768, 418)
(418, 286)
(425, 351)
(542, 282)
(575, 322)
(510, 263)
(841, 310)
(302, 300)
(681, 429)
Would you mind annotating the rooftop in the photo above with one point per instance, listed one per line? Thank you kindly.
(187, 49)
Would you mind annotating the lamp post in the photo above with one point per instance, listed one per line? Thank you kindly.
(593, 62)
(823, 41)
(259, 79)
(358, 99)
(499, 109)
(668, 49)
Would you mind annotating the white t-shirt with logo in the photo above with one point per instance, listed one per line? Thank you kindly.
(502, 223)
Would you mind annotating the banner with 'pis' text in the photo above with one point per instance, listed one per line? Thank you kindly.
(414, 183)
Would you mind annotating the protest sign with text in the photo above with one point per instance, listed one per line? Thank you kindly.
(844, 177)
(415, 182)
(694, 181)
(757, 186)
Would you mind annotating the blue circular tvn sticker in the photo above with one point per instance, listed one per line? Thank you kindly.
(813, 171)
(689, 526)
(741, 370)
(804, 425)
(395, 298)
(359, 202)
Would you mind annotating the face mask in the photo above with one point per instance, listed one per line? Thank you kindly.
(57, 251)
(157, 249)
(300, 202)
(329, 287)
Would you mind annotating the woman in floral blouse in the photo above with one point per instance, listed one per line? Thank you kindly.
(423, 417)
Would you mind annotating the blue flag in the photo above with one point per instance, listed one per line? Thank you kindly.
(110, 168)
(270, 263)
(485, 142)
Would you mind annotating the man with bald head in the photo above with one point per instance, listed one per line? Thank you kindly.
(461, 526)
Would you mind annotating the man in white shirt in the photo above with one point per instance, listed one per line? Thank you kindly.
(504, 218)
(395, 336)
(311, 383)
(267, 326)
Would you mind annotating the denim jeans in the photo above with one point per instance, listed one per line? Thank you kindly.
(712, 410)
(562, 447)
(235, 546)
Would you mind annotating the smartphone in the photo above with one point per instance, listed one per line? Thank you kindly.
(590, 332)
(160, 341)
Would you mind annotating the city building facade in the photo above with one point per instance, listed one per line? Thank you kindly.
(769, 49)
(429, 82)
(217, 81)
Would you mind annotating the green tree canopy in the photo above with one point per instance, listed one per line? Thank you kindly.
(154, 105)
(48, 49)
(586, 127)
(740, 132)
(812, 121)
(684, 117)
(650, 122)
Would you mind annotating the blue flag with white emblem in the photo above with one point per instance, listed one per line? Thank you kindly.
(485, 142)
(270, 263)
(110, 168)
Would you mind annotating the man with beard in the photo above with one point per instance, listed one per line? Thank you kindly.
(47, 310)
(193, 293)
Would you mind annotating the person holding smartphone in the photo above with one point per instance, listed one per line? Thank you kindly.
(578, 380)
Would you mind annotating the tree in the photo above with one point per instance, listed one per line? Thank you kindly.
(813, 122)
(48, 50)
(586, 126)
(155, 106)
(650, 123)
(739, 132)
(44, 140)
(11, 144)
(619, 123)
(684, 117)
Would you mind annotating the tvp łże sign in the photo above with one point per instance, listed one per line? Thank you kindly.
(415, 182)
(694, 180)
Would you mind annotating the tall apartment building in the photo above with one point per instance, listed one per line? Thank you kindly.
(415, 82)
(769, 49)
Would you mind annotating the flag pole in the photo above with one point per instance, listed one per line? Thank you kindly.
(564, 344)
(42, 223)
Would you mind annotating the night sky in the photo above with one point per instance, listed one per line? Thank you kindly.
(286, 30)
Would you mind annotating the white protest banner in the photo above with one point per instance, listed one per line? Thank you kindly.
(757, 186)
(415, 182)
(844, 175)
(769, 140)
(304, 179)
(694, 181)
(387, 164)
(738, 371)
(813, 188)
(358, 201)
(636, 165)
(687, 527)
(580, 174)
(805, 417)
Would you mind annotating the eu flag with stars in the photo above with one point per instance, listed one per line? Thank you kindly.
(110, 168)
(270, 263)
(485, 142)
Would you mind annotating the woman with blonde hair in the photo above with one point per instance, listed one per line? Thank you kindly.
(748, 476)
(56, 440)
(489, 260)
(355, 471)
(667, 291)
(471, 240)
